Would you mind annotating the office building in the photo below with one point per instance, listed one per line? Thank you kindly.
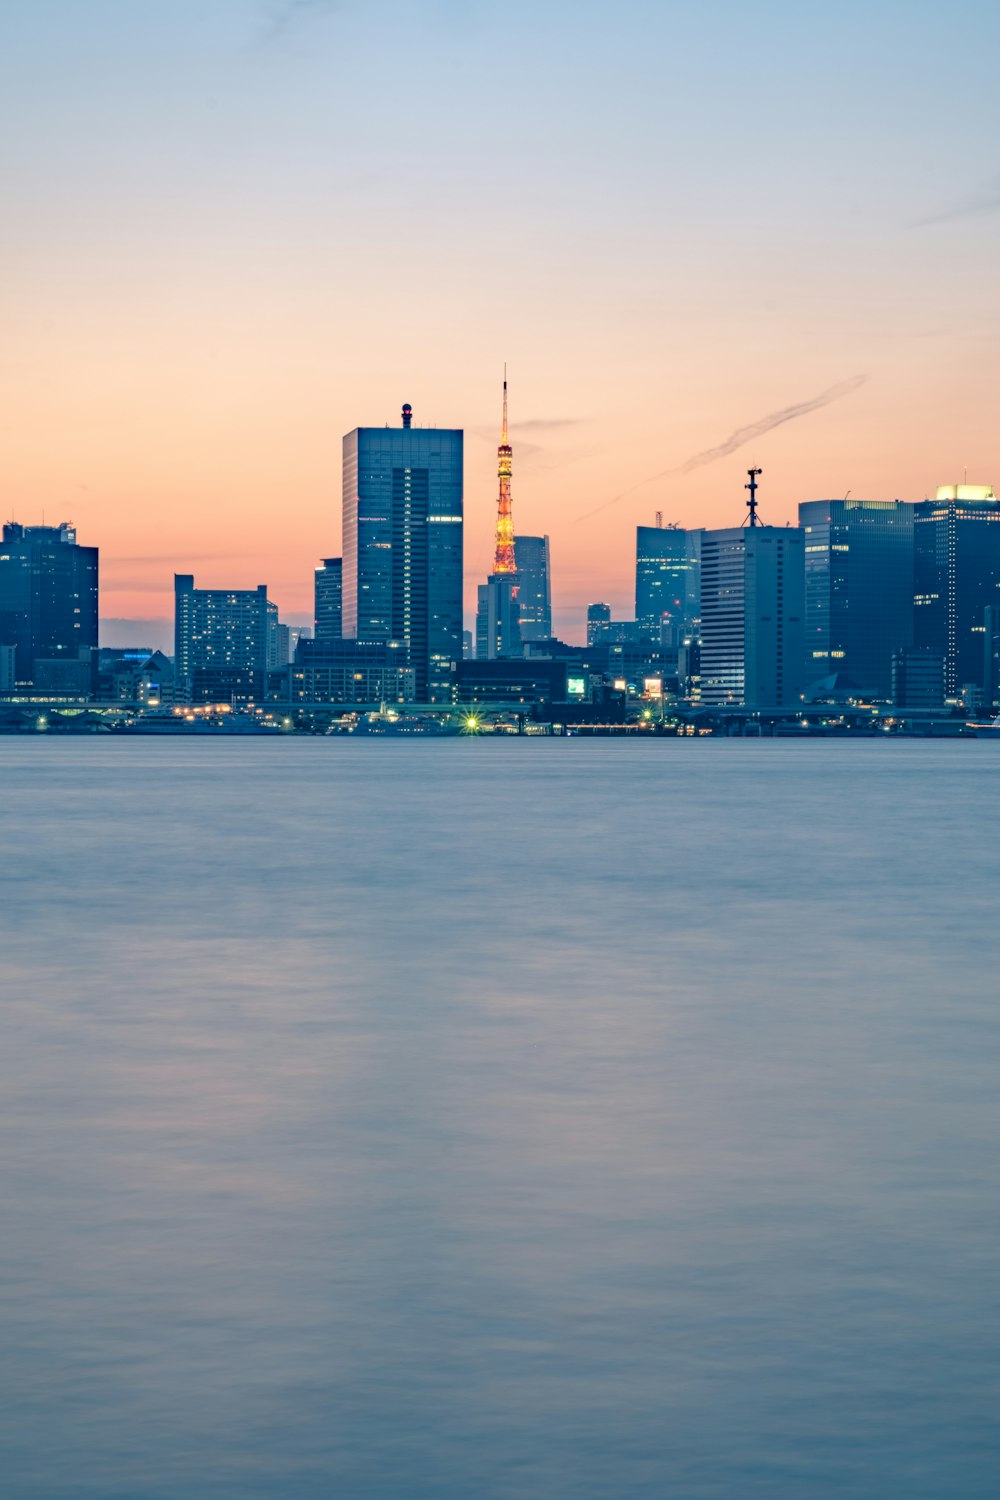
(534, 593)
(402, 562)
(48, 599)
(752, 609)
(225, 641)
(345, 673)
(598, 617)
(329, 598)
(917, 678)
(991, 655)
(498, 629)
(956, 542)
(859, 589)
(667, 582)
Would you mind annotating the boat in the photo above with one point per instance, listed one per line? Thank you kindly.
(986, 731)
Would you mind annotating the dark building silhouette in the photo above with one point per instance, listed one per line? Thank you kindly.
(956, 541)
(859, 589)
(534, 593)
(991, 655)
(48, 601)
(667, 582)
(498, 627)
(402, 564)
(329, 599)
(598, 618)
(917, 678)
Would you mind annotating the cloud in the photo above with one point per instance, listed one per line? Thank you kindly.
(290, 12)
(975, 206)
(545, 424)
(740, 437)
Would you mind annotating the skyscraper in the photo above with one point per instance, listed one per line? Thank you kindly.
(667, 581)
(329, 599)
(598, 621)
(752, 608)
(225, 641)
(859, 589)
(48, 597)
(534, 590)
(402, 564)
(956, 543)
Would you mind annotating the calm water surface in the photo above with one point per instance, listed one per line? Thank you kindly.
(477, 1120)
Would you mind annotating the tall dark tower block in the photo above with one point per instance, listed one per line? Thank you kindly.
(48, 596)
(402, 564)
(956, 544)
(859, 589)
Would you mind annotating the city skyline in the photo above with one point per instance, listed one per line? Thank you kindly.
(208, 285)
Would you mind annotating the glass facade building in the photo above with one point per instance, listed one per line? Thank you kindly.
(329, 599)
(859, 589)
(48, 597)
(402, 563)
(667, 582)
(956, 543)
(752, 614)
(534, 594)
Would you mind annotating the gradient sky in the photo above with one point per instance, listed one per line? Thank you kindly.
(235, 229)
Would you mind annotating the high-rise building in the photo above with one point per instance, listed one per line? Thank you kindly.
(329, 599)
(956, 542)
(752, 608)
(225, 641)
(598, 619)
(402, 564)
(48, 598)
(859, 589)
(991, 655)
(498, 630)
(667, 582)
(534, 590)
(917, 678)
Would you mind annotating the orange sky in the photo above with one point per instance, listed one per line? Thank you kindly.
(234, 238)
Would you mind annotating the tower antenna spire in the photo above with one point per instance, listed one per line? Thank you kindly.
(752, 518)
(504, 559)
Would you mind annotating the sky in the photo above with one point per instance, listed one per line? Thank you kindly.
(235, 230)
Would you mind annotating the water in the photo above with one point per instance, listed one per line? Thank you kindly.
(499, 1119)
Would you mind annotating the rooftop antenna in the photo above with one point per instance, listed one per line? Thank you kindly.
(407, 413)
(752, 519)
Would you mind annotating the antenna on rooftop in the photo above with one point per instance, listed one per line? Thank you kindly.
(752, 518)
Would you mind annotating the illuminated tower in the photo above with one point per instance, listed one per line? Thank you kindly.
(504, 562)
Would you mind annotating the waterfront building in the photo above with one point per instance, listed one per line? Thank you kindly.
(667, 582)
(956, 577)
(917, 678)
(859, 589)
(347, 673)
(752, 609)
(402, 562)
(329, 599)
(48, 598)
(534, 593)
(225, 641)
(991, 655)
(7, 674)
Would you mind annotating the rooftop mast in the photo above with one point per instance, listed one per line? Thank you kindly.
(752, 519)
